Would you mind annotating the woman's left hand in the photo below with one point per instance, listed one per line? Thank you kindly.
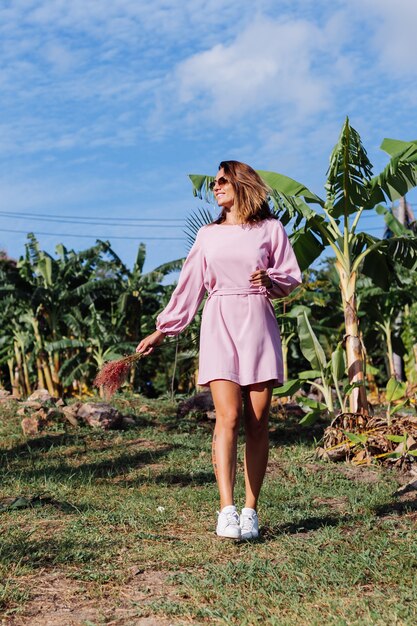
(260, 278)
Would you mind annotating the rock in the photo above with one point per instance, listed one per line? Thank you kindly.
(30, 426)
(128, 421)
(294, 409)
(337, 454)
(200, 402)
(136, 570)
(41, 395)
(100, 415)
(29, 404)
(54, 415)
(410, 486)
(70, 413)
(6, 396)
(40, 415)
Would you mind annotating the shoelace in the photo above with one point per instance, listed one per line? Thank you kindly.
(247, 522)
(232, 518)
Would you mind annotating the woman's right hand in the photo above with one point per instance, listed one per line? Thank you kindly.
(147, 345)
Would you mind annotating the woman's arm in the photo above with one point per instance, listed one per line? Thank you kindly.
(184, 302)
(283, 269)
(147, 345)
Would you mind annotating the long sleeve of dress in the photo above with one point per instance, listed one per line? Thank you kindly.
(283, 268)
(188, 294)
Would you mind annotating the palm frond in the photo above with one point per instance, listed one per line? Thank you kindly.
(392, 224)
(397, 178)
(74, 369)
(201, 186)
(64, 344)
(288, 187)
(395, 146)
(380, 256)
(140, 259)
(165, 268)
(348, 175)
(307, 247)
(93, 287)
(195, 221)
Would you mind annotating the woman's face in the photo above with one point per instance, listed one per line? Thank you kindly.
(223, 190)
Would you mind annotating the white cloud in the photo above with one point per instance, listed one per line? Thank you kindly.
(393, 32)
(98, 73)
(270, 63)
(122, 18)
(70, 71)
(60, 57)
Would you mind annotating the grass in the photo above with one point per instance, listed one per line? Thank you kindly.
(121, 527)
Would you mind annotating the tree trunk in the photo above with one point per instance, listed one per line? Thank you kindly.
(41, 378)
(55, 371)
(43, 359)
(47, 375)
(26, 374)
(284, 361)
(394, 360)
(13, 382)
(390, 354)
(414, 356)
(403, 214)
(358, 402)
(19, 376)
(370, 378)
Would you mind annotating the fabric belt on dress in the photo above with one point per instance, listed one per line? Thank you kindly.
(239, 291)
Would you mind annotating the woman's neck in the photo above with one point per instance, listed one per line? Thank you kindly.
(231, 217)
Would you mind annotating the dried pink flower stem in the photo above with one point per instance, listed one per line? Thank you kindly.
(114, 373)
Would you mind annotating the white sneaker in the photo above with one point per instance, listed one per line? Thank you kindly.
(249, 524)
(228, 523)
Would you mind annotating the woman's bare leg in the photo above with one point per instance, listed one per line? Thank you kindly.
(256, 414)
(227, 398)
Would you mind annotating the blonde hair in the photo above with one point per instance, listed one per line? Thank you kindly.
(251, 193)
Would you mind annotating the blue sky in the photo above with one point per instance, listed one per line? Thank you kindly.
(107, 106)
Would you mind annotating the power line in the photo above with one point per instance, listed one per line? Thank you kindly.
(105, 237)
(90, 222)
(60, 220)
(88, 217)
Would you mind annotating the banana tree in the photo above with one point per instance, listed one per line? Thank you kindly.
(383, 311)
(40, 294)
(326, 375)
(351, 190)
(141, 291)
(138, 301)
(409, 337)
(56, 286)
(95, 340)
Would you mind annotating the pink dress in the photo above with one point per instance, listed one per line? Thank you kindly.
(239, 338)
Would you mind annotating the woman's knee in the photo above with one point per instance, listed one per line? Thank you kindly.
(256, 428)
(228, 420)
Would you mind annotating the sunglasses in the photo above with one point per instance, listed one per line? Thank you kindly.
(220, 181)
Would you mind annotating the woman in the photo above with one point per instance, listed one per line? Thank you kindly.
(243, 260)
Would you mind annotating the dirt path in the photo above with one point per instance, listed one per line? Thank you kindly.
(57, 600)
